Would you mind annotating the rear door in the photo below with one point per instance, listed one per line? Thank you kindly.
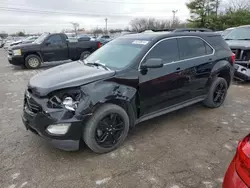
(54, 48)
(196, 62)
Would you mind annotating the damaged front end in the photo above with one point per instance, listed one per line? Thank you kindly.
(55, 116)
(242, 64)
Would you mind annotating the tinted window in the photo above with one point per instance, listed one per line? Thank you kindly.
(209, 50)
(166, 50)
(55, 39)
(191, 47)
(218, 43)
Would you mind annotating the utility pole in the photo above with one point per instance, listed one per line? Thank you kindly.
(75, 26)
(174, 13)
(106, 22)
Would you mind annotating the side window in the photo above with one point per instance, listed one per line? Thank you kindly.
(55, 39)
(191, 47)
(209, 50)
(167, 50)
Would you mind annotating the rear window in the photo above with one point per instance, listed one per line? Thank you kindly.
(190, 47)
(218, 43)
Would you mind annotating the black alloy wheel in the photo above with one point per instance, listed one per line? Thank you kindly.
(219, 93)
(109, 130)
(106, 129)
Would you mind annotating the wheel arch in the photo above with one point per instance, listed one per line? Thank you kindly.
(33, 53)
(109, 92)
(221, 69)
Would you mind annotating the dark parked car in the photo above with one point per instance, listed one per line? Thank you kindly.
(104, 39)
(131, 79)
(50, 47)
(237, 175)
(239, 41)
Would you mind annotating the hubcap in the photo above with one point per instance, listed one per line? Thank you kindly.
(33, 62)
(219, 93)
(109, 130)
(85, 56)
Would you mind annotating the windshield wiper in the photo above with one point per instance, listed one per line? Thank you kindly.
(243, 39)
(96, 63)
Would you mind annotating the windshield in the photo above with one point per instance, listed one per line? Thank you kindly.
(40, 39)
(241, 33)
(28, 38)
(118, 53)
(226, 32)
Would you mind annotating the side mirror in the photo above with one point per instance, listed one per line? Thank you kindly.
(47, 43)
(152, 63)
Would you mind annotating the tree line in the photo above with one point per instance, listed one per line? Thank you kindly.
(214, 15)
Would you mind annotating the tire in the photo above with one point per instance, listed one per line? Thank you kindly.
(32, 61)
(84, 55)
(211, 101)
(90, 131)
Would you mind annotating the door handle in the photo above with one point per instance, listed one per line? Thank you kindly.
(210, 60)
(178, 70)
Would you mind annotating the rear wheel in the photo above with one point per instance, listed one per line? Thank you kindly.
(84, 55)
(32, 61)
(106, 129)
(217, 93)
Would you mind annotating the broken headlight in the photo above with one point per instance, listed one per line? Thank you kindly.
(68, 99)
(70, 104)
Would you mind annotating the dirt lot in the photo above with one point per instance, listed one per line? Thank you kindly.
(188, 148)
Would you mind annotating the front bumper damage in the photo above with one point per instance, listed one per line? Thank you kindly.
(242, 63)
(242, 70)
(37, 118)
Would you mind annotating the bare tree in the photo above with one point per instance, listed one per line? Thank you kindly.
(239, 5)
(97, 31)
(75, 26)
(142, 24)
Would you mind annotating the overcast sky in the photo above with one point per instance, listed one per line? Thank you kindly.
(54, 15)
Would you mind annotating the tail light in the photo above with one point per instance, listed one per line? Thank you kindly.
(243, 160)
(233, 58)
(99, 45)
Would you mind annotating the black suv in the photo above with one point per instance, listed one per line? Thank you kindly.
(131, 79)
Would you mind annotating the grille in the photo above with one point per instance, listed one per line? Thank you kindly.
(238, 54)
(10, 52)
(32, 105)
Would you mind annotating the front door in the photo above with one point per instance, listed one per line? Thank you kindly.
(163, 87)
(54, 49)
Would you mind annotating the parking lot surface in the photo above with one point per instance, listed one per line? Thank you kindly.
(189, 148)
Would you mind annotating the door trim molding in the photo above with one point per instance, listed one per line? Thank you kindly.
(170, 109)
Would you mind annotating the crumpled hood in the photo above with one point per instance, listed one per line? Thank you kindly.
(242, 44)
(67, 75)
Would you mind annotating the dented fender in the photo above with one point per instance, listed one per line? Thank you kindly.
(101, 92)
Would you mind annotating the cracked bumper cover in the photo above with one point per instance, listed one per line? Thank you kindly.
(242, 72)
(38, 123)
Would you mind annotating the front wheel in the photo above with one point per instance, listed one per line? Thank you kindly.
(106, 129)
(84, 55)
(32, 61)
(217, 93)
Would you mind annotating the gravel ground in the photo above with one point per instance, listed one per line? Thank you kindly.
(191, 147)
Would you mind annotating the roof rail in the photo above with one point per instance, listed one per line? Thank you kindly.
(160, 30)
(157, 30)
(193, 30)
